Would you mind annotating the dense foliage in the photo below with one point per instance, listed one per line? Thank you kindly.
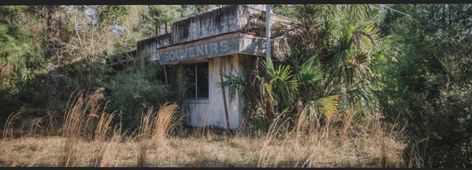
(133, 91)
(429, 87)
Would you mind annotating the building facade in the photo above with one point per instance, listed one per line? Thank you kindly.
(201, 50)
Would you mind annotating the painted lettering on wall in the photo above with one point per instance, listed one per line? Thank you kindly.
(201, 50)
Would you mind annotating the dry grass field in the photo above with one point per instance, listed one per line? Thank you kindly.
(92, 141)
(220, 151)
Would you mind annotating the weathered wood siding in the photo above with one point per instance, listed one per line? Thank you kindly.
(147, 48)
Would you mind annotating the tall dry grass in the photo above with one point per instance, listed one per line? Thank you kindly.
(103, 126)
(8, 127)
(163, 122)
(341, 133)
(103, 146)
(276, 149)
(107, 151)
(203, 131)
(275, 130)
(85, 119)
(71, 131)
(145, 131)
(347, 124)
(94, 113)
(342, 143)
(154, 126)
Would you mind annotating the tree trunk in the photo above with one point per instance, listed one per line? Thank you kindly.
(53, 31)
(253, 87)
(269, 112)
(300, 117)
(53, 41)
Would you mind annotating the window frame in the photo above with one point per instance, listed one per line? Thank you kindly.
(195, 80)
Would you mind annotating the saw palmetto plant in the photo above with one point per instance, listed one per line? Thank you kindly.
(329, 68)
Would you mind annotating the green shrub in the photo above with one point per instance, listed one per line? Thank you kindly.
(135, 90)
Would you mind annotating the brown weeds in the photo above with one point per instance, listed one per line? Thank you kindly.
(103, 126)
(145, 131)
(80, 122)
(71, 131)
(108, 151)
(156, 126)
(8, 128)
(362, 144)
(163, 123)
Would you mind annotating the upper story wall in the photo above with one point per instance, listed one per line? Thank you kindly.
(147, 48)
(220, 21)
(229, 19)
(211, 23)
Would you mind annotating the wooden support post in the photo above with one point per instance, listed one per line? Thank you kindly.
(165, 74)
(267, 24)
(268, 106)
(224, 94)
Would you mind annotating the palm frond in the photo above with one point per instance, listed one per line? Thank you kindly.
(309, 73)
(328, 106)
(235, 83)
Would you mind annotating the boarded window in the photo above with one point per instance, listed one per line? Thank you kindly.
(198, 81)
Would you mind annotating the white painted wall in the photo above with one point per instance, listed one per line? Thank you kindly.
(211, 112)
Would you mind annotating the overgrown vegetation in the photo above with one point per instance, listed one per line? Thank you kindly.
(363, 85)
(428, 88)
(92, 137)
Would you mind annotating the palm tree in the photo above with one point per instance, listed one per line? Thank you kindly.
(349, 64)
(331, 60)
(282, 89)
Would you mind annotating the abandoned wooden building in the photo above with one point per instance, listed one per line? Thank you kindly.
(200, 50)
